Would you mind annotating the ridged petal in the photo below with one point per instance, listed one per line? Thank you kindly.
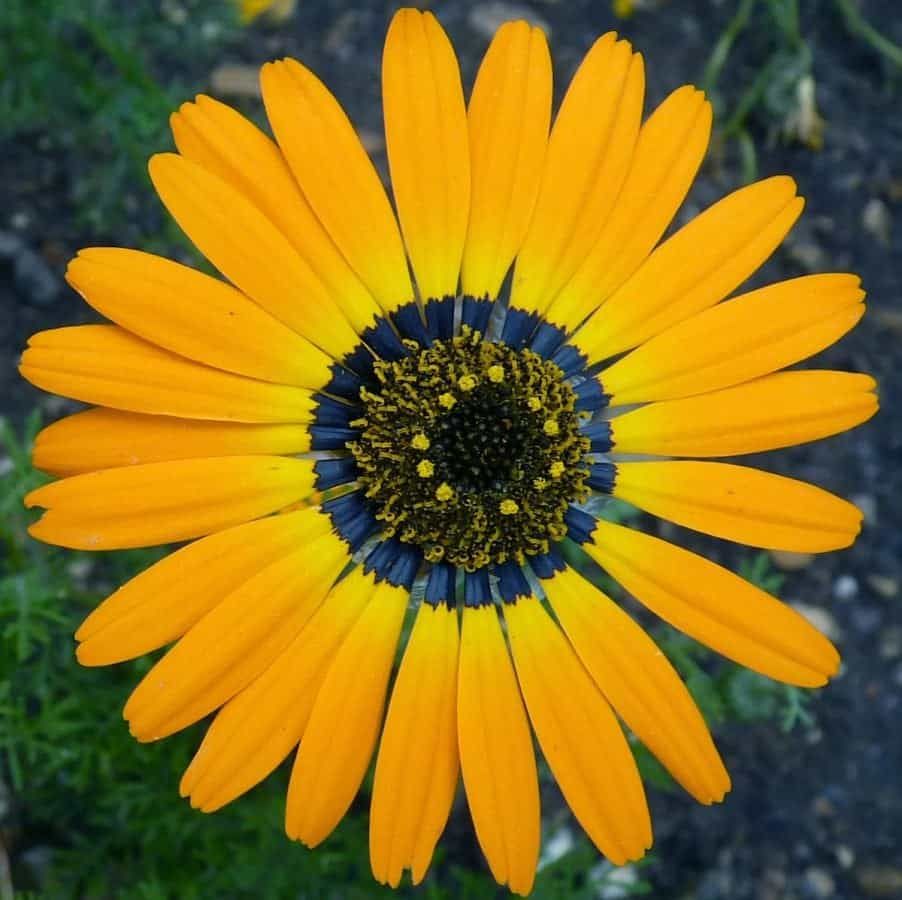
(778, 410)
(508, 117)
(496, 756)
(108, 438)
(740, 504)
(697, 267)
(194, 315)
(344, 723)
(250, 251)
(158, 503)
(739, 340)
(260, 726)
(417, 764)
(236, 641)
(108, 366)
(579, 735)
(669, 151)
(715, 607)
(165, 600)
(589, 154)
(230, 146)
(428, 150)
(337, 178)
(639, 683)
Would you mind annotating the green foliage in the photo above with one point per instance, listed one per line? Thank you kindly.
(79, 79)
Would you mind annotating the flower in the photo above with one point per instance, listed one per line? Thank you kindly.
(340, 445)
(274, 10)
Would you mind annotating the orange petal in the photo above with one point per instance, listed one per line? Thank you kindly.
(230, 146)
(714, 606)
(258, 727)
(344, 723)
(508, 119)
(337, 178)
(165, 600)
(193, 315)
(496, 755)
(670, 148)
(775, 411)
(579, 735)
(417, 765)
(739, 340)
(740, 504)
(697, 267)
(106, 365)
(423, 104)
(157, 503)
(589, 154)
(640, 684)
(107, 438)
(236, 641)
(250, 251)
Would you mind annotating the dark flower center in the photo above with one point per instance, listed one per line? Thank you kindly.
(471, 450)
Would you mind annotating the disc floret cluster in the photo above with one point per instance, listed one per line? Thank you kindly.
(471, 450)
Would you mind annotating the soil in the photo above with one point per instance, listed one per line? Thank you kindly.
(813, 813)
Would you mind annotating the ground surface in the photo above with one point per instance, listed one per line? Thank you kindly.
(816, 812)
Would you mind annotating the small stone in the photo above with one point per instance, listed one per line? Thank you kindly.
(557, 845)
(876, 219)
(868, 506)
(821, 619)
(883, 585)
(890, 646)
(11, 245)
(845, 587)
(20, 220)
(880, 881)
(486, 18)
(791, 562)
(235, 80)
(820, 882)
(372, 141)
(845, 856)
(808, 255)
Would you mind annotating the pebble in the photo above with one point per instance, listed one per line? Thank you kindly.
(876, 219)
(883, 585)
(557, 845)
(867, 503)
(845, 587)
(821, 619)
(487, 18)
(235, 80)
(890, 646)
(845, 856)
(34, 280)
(791, 562)
(820, 882)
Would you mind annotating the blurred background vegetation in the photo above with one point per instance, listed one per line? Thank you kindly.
(802, 85)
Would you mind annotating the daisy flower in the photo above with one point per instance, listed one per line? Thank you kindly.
(343, 443)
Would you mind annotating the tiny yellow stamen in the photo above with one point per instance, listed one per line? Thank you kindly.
(534, 404)
(420, 442)
(425, 469)
(556, 469)
(467, 382)
(447, 400)
(444, 492)
(496, 373)
(509, 507)
(551, 427)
